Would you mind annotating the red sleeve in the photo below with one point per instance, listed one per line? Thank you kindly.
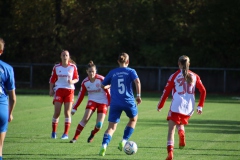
(168, 88)
(202, 91)
(108, 95)
(75, 73)
(54, 76)
(81, 95)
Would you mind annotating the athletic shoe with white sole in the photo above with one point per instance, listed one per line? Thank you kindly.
(64, 136)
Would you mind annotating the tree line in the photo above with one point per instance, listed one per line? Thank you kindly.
(153, 32)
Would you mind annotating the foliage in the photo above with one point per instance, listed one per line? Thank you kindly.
(154, 32)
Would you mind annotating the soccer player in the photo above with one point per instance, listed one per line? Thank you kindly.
(122, 99)
(64, 76)
(7, 96)
(182, 84)
(98, 98)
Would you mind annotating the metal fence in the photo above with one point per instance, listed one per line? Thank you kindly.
(216, 80)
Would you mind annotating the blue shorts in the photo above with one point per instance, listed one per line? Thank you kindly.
(4, 113)
(116, 111)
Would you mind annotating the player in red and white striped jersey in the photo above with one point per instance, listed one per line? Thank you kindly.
(64, 76)
(98, 98)
(182, 84)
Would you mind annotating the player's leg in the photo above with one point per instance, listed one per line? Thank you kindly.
(2, 137)
(181, 135)
(68, 120)
(87, 115)
(181, 131)
(4, 115)
(101, 114)
(68, 98)
(112, 126)
(55, 119)
(113, 118)
(57, 101)
(170, 139)
(132, 113)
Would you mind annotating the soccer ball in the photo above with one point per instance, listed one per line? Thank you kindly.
(130, 148)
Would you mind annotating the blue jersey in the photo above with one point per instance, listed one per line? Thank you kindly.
(121, 90)
(7, 81)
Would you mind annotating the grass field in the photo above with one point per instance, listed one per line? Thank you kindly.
(213, 135)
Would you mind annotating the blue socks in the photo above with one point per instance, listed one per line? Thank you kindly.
(128, 132)
(106, 139)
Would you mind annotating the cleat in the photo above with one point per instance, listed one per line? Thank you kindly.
(182, 142)
(170, 156)
(73, 141)
(90, 138)
(54, 135)
(120, 146)
(64, 136)
(102, 151)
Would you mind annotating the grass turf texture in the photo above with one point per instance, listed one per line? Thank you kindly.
(213, 135)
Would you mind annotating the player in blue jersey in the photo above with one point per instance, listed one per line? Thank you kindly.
(7, 97)
(122, 99)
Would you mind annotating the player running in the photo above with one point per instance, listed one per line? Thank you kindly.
(64, 76)
(7, 97)
(182, 84)
(122, 99)
(98, 98)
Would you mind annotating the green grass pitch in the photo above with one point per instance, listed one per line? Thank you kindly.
(213, 135)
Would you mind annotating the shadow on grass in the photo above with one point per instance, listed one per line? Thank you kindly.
(214, 126)
(56, 156)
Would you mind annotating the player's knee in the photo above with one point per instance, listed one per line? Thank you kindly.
(99, 125)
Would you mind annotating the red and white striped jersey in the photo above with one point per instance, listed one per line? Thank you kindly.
(60, 76)
(183, 94)
(95, 91)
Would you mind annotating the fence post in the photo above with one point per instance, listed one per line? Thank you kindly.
(31, 76)
(159, 78)
(224, 80)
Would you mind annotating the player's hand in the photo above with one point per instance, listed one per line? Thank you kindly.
(159, 109)
(10, 118)
(73, 111)
(70, 81)
(139, 100)
(199, 110)
(51, 92)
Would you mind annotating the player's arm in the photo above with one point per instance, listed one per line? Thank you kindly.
(75, 77)
(52, 81)
(203, 92)
(51, 91)
(12, 103)
(108, 95)
(81, 95)
(138, 90)
(168, 88)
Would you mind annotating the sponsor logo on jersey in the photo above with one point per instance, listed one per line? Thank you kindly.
(97, 85)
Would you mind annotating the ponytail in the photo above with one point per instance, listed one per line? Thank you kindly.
(185, 61)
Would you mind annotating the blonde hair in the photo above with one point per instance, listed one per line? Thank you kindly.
(123, 57)
(185, 62)
(2, 44)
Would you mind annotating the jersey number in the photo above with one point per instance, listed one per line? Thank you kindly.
(121, 87)
(186, 87)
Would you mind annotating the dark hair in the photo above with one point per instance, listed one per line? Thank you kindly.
(185, 61)
(91, 64)
(1, 44)
(70, 60)
(123, 57)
